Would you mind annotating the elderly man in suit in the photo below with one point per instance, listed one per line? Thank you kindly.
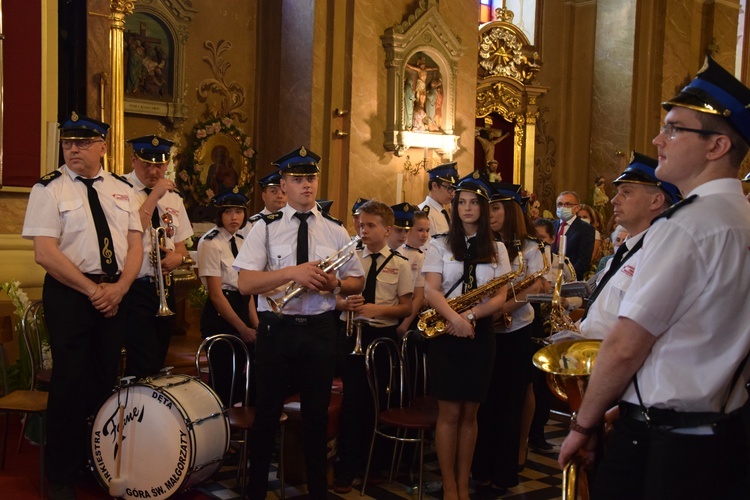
(579, 236)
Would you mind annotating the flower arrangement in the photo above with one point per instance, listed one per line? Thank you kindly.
(21, 302)
(188, 172)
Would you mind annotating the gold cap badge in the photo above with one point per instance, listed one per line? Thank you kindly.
(155, 141)
(302, 151)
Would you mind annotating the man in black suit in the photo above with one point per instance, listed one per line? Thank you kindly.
(579, 235)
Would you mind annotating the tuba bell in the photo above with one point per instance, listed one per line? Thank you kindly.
(569, 365)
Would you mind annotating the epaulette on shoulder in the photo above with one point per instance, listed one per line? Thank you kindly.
(426, 209)
(398, 254)
(674, 208)
(332, 218)
(211, 234)
(123, 179)
(178, 193)
(441, 235)
(239, 236)
(269, 218)
(255, 218)
(49, 177)
(413, 248)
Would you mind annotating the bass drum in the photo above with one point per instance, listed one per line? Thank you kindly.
(175, 434)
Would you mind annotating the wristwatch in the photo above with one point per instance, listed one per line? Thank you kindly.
(337, 290)
(471, 316)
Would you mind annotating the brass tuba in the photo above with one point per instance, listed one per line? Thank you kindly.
(558, 320)
(431, 324)
(507, 318)
(331, 263)
(568, 365)
(159, 239)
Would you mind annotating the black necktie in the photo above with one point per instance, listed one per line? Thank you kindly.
(369, 292)
(447, 217)
(470, 271)
(233, 244)
(302, 237)
(103, 234)
(155, 222)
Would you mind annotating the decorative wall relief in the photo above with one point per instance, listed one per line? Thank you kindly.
(220, 157)
(154, 57)
(422, 56)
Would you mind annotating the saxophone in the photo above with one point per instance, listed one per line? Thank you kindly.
(558, 320)
(431, 324)
(507, 318)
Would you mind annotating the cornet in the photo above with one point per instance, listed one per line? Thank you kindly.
(158, 238)
(332, 263)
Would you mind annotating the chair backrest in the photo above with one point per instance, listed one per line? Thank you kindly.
(208, 351)
(33, 330)
(389, 383)
(414, 353)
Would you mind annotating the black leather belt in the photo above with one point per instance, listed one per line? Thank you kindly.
(672, 418)
(102, 278)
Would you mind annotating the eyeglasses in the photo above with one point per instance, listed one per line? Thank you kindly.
(670, 130)
(80, 144)
(450, 188)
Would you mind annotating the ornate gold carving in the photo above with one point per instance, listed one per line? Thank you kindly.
(122, 6)
(503, 14)
(503, 53)
(500, 98)
(232, 94)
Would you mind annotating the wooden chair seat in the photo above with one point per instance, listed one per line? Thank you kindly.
(24, 402)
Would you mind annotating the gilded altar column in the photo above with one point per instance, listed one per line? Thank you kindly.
(120, 8)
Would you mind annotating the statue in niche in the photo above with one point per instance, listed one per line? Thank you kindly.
(489, 139)
(426, 90)
(409, 99)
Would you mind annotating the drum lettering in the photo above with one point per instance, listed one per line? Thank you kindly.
(157, 491)
(163, 400)
(137, 493)
(97, 439)
(110, 426)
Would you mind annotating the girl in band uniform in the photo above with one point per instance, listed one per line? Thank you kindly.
(461, 361)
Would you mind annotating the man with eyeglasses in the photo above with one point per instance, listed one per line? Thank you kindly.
(148, 336)
(676, 357)
(442, 188)
(579, 236)
(87, 236)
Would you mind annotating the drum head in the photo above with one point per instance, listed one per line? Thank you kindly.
(158, 447)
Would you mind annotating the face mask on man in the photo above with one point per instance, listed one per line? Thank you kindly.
(565, 213)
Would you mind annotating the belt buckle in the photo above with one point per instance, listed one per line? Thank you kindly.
(300, 320)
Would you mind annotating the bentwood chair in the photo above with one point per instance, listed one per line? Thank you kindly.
(394, 417)
(22, 401)
(32, 329)
(241, 417)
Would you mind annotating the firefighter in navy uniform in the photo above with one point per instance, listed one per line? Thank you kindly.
(300, 345)
(87, 236)
(147, 340)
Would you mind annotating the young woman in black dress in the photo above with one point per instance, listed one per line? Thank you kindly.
(461, 361)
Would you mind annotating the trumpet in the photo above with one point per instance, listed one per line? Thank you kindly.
(158, 239)
(355, 324)
(332, 263)
(431, 324)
